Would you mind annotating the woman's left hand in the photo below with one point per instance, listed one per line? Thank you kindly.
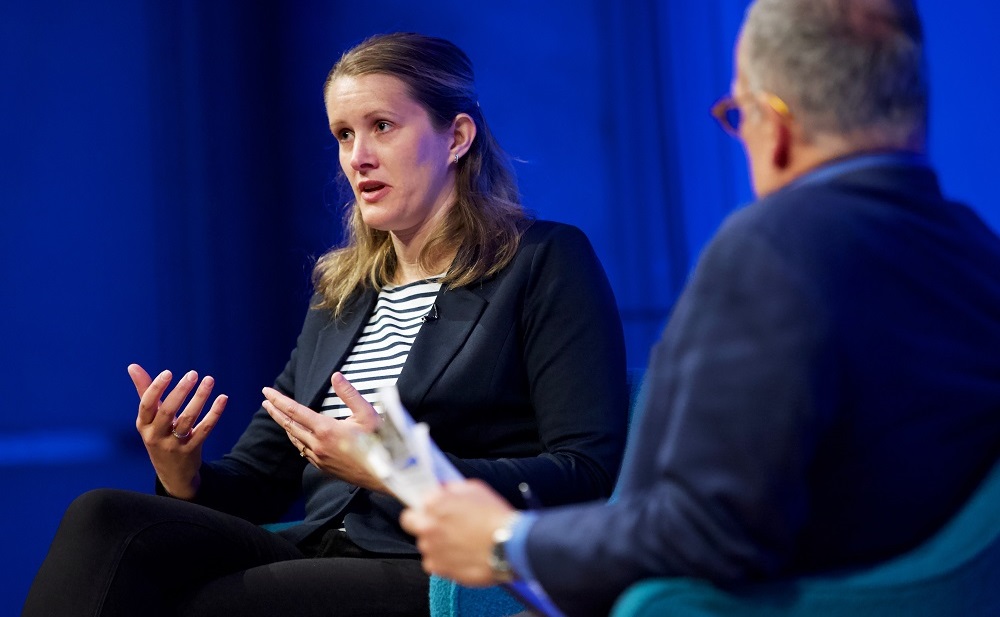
(328, 443)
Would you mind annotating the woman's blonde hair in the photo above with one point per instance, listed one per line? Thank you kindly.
(485, 223)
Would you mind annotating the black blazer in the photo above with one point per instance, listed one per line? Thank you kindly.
(826, 394)
(521, 378)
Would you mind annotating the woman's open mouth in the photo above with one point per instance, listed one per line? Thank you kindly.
(372, 190)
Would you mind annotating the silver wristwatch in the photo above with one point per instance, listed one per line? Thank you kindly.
(502, 570)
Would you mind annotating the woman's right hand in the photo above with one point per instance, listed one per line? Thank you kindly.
(172, 439)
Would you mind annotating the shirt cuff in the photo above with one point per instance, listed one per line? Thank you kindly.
(526, 585)
(516, 549)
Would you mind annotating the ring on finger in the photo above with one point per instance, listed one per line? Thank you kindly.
(173, 431)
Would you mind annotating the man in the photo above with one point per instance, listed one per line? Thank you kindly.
(827, 391)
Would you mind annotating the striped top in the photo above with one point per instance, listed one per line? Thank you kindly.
(378, 356)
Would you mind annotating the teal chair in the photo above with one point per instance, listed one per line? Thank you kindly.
(955, 573)
(449, 599)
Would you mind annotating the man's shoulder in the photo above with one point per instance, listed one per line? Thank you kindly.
(812, 231)
(798, 206)
(812, 216)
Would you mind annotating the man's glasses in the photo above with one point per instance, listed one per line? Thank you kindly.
(727, 112)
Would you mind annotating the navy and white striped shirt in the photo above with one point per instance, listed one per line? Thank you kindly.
(385, 341)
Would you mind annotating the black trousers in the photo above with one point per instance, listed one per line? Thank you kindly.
(125, 553)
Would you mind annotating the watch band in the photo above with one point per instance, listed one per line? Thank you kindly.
(502, 570)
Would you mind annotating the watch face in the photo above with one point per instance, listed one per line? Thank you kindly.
(501, 568)
(502, 535)
(498, 555)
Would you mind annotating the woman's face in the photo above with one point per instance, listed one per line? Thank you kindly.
(399, 166)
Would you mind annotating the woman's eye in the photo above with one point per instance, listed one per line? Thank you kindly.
(382, 126)
(343, 135)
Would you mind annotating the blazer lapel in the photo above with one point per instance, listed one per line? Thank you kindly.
(335, 341)
(439, 340)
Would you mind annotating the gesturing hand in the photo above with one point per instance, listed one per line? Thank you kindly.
(328, 442)
(173, 441)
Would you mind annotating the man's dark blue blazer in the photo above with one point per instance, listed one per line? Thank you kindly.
(521, 378)
(825, 394)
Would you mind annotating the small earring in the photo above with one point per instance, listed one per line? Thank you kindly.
(456, 158)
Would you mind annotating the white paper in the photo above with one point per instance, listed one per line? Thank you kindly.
(401, 453)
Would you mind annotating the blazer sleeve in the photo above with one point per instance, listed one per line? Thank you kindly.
(573, 355)
(714, 481)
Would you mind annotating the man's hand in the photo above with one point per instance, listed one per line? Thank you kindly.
(454, 530)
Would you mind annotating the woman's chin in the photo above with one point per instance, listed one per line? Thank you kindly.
(376, 217)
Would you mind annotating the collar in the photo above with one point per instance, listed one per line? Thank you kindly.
(838, 167)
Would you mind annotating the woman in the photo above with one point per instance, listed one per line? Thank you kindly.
(499, 332)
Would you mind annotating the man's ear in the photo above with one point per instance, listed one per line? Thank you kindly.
(463, 132)
(782, 154)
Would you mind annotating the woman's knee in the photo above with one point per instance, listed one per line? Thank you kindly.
(99, 503)
(104, 508)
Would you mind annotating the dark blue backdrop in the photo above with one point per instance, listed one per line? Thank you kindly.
(167, 177)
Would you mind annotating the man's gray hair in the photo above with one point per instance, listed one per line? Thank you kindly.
(847, 67)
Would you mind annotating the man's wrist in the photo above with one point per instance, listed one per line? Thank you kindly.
(503, 572)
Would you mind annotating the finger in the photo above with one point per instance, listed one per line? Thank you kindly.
(411, 521)
(280, 418)
(362, 410)
(406, 521)
(149, 402)
(292, 429)
(140, 378)
(284, 421)
(287, 406)
(200, 432)
(183, 422)
(168, 408)
(468, 486)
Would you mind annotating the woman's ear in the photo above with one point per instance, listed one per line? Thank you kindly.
(463, 132)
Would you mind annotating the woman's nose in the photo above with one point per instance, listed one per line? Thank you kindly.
(363, 155)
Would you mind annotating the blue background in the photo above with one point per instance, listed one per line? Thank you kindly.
(167, 178)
